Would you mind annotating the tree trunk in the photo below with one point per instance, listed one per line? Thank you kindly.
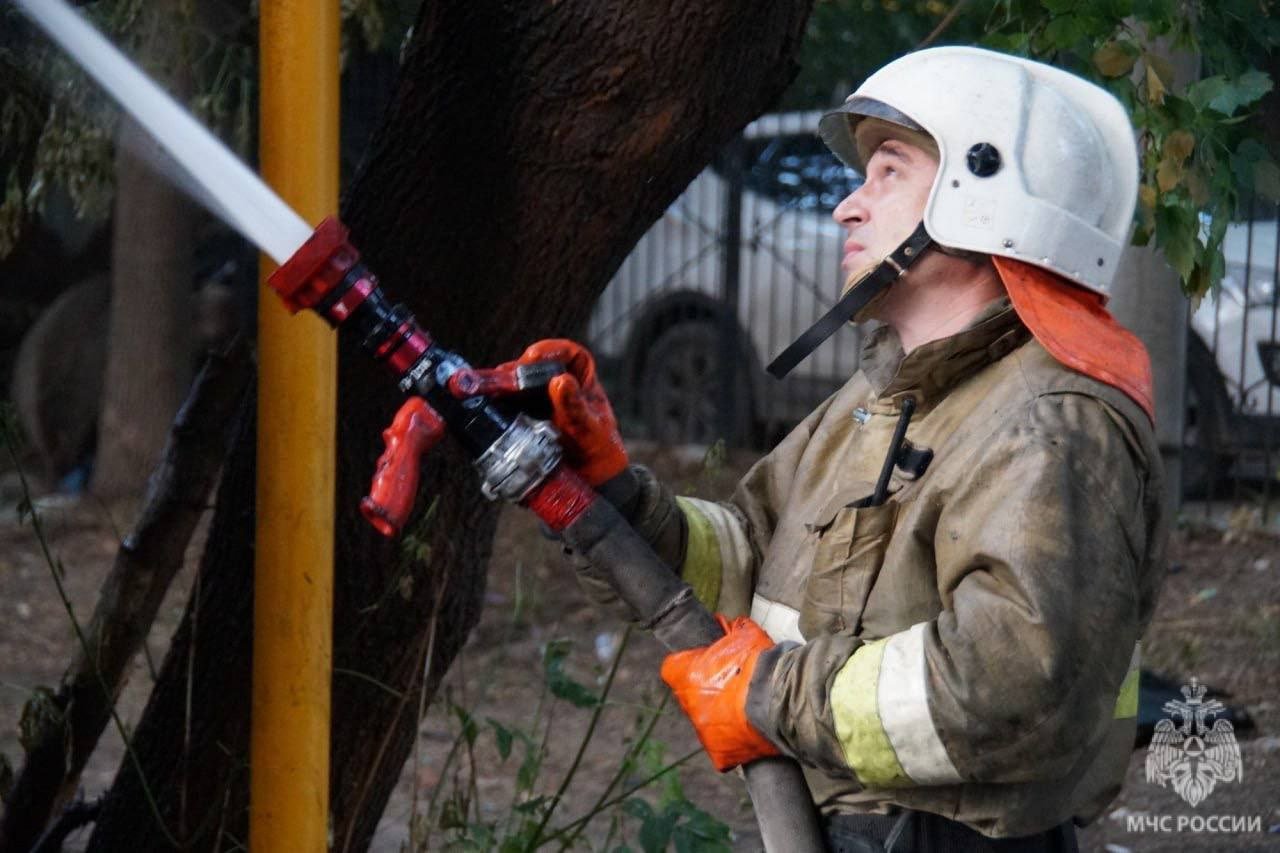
(148, 351)
(528, 147)
(148, 341)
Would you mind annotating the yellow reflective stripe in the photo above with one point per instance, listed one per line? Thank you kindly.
(701, 568)
(1127, 701)
(854, 711)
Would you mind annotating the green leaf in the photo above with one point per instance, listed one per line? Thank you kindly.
(559, 682)
(1266, 179)
(1244, 90)
(1203, 92)
(1157, 14)
(655, 832)
(1063, 32)
(1217, 267)
(638, 808)
(502, 737)
(1178, 113)
(518, 841)
(699, 831)
(527, 775)
(1176, 239)
(1252, 85)
(1014, 42)
(469, 728)
(1198, 283)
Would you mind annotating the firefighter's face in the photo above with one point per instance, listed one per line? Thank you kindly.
(884, 211)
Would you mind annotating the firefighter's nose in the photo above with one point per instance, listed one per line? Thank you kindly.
(850, 211)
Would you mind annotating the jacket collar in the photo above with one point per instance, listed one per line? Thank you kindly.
(932, 369)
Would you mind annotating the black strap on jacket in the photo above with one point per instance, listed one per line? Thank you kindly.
(886, 273)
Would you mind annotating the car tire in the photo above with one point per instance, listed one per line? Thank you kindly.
(1206, 460)
(681, 384)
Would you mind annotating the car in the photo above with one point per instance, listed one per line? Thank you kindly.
(749, 256)
(680, 363)
(1233, 368)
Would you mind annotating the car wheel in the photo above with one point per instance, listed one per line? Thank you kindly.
(1205, 459)
(681, 386)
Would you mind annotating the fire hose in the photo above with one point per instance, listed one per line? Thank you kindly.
(519, 460)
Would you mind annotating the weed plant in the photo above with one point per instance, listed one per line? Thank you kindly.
(455, 819)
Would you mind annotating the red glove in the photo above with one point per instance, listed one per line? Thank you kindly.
(711, 683)
(580, 409)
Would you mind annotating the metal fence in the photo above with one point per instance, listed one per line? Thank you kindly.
(749, 256)
(1231, 439)
(743, 261)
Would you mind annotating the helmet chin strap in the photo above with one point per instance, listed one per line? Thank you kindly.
(872, 285)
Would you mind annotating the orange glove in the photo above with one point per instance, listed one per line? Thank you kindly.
(579, 407)
(711, 682)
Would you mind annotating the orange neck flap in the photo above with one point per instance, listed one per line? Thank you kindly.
(1072, 324)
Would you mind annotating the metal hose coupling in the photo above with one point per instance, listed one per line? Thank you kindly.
(519, 460)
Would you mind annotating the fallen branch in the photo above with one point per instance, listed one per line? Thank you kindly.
(66, 726)
(78, 814)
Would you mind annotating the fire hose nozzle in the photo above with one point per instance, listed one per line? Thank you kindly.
(415, 430)
(314, 271)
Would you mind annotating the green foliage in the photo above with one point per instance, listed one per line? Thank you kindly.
(54, 129)
(846, 40)
(675, 821)
(457, 820)
(558, 681)
(1202, 155)
(57, 129)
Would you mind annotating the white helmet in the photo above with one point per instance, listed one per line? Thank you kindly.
(1035, 163)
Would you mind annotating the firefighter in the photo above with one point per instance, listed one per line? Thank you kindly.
(934, 587)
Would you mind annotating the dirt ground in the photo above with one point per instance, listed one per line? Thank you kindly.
(1219, 620)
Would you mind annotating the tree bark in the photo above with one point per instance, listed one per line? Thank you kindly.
(148, 340)
(528, 147)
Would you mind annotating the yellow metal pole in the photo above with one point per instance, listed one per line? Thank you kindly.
(297, 360)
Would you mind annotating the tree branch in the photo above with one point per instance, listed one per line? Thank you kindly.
(144, 567)
(944, 24)
(74, 816)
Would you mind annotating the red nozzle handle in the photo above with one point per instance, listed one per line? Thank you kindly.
(415, 430)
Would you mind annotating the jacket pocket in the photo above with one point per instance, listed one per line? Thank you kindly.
(852, 540)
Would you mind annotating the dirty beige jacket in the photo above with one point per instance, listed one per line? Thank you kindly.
(970, 646)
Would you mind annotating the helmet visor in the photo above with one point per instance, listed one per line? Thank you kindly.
(837, 127)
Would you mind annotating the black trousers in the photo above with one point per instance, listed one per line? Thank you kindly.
(921, 832)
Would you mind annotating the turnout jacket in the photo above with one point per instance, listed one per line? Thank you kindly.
(968, 647)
